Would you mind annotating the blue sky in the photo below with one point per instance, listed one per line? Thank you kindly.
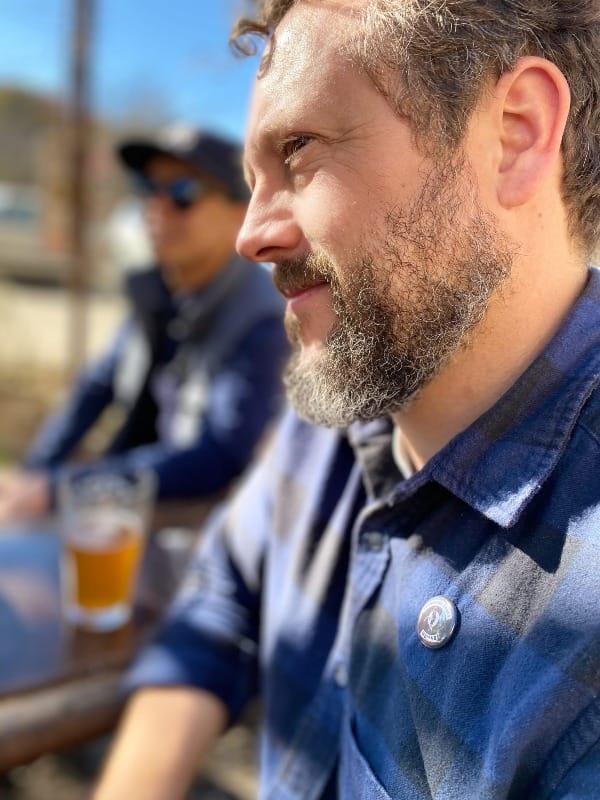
(167, 58)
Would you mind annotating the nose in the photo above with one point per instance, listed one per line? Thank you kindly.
(269, 231)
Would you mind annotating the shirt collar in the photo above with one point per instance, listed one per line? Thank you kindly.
(195, 310)
(190, 303)
(372, 445)
(499, 463)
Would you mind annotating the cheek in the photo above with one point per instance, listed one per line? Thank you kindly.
(331, 215)
(184, 234)
(204, 224)
(165, 226)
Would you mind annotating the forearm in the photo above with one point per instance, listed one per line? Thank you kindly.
(164, 735)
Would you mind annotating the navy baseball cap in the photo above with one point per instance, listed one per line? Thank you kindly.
(213, 155)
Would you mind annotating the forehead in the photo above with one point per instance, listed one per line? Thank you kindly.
(311, 29)
(305, 64)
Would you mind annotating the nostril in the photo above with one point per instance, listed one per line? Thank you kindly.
(244, 245)
(268, 232)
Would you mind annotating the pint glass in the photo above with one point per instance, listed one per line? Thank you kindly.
(104, 519)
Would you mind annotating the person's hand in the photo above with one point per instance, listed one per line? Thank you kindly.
(23, 495)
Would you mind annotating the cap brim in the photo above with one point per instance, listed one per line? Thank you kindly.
(136, 155)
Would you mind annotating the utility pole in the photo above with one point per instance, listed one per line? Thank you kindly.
(79, 139)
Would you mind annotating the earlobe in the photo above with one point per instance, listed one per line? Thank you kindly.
(535, 102)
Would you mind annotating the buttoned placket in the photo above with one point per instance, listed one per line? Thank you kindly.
(373, 529)
(369, 557)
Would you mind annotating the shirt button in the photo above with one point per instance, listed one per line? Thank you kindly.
(374, 541)
(340, 675)
(437, 622)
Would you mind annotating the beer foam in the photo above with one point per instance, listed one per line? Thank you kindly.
(103, 529)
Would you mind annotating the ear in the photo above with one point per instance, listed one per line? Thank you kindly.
(534, 101)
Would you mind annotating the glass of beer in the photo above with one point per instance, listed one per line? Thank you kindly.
(104, 519)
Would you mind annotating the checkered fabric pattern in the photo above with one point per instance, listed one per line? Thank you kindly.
(309, 585)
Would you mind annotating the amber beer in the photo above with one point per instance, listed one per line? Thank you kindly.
(102, 569)
(103, 522)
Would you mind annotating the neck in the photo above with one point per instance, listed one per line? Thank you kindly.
(195, 276)
(521, 320)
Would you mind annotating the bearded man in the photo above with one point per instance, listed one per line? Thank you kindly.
(412, 588)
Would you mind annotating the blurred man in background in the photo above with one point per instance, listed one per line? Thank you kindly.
(195, 369)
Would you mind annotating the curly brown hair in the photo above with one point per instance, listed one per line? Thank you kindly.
(434, 58)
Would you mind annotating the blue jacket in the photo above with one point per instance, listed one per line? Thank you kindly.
(197, 378)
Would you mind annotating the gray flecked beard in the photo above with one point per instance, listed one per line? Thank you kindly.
(403, 310)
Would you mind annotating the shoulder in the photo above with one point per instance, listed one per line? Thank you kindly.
(249, 320)
(146, 290)
(306, 454)
(257, 288)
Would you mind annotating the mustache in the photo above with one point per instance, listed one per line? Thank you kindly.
(292, 275)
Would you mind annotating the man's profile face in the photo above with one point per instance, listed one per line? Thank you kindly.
(186, 241)
(385, 254)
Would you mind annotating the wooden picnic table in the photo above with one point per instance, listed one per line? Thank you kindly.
(60, 686)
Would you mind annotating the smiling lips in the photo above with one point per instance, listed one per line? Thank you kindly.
(291, 293)
(297, 294)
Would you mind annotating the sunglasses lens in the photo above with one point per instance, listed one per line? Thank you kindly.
(185, 192)
(182, 193)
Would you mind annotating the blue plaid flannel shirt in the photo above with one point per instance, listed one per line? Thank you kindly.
(309, 584)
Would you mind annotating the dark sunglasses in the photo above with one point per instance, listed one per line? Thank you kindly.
(183, 193)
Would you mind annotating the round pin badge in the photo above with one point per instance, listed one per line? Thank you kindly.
(437, 623)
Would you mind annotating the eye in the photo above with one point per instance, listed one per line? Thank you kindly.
(292, 147)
